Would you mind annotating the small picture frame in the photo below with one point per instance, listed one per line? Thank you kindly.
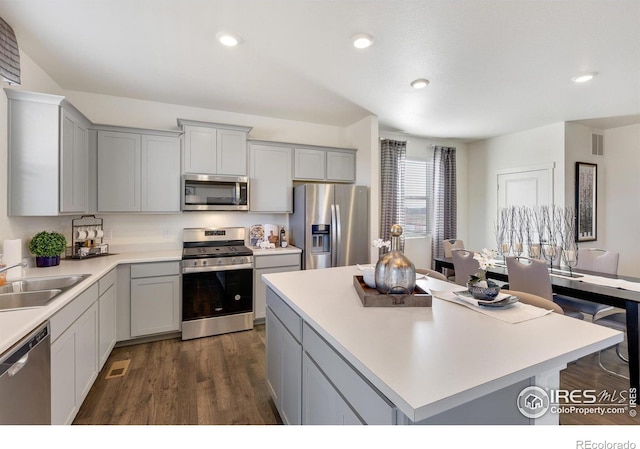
(586, 201)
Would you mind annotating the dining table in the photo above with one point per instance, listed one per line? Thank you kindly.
(583, 284)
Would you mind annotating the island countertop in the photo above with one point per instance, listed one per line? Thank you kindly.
(16, 324)
(427, 360)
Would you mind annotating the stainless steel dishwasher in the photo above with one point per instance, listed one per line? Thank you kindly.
(25, 380)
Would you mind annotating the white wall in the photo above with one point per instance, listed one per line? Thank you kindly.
(418, 249)
(165, 230)
(486, 158)
(619, 197)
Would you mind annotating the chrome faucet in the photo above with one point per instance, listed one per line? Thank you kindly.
(21, 264)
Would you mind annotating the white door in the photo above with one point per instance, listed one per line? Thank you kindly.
(525, 186)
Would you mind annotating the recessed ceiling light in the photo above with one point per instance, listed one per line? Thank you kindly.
(419, 83)
(362, 40)
(228, 39)
(584, 77)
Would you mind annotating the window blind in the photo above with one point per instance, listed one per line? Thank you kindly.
(9, 54)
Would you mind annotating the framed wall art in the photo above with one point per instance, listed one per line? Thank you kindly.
(586, 204)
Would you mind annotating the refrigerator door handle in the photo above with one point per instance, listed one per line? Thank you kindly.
(334, 244)
(338, 235)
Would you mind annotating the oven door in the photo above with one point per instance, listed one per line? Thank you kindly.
(216, 293)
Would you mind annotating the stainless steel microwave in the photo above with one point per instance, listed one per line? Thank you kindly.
(211, 192)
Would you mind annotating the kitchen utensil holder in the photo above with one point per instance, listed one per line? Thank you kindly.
(83, 229)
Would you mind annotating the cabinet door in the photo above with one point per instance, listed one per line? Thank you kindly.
(119, 162)
(160, 177)
(155, 305)
(284, 363)
(107, 325)
(309, 164)
(231, 157)
(63, 385)
(322, 404)
(86, 329)
(271, 183)
(74, 366)
(341, 166)
(260, 288)
(200, 145)
(73, 164)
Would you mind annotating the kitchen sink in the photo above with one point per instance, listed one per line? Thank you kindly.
(61, 283)
(35, 292)
(27, 300)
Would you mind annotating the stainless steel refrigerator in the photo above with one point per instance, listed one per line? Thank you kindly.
(330, 223)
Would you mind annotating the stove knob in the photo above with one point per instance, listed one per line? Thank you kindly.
(233, 260)
(237, 297)
(195, 263)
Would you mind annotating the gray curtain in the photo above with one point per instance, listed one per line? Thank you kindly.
(392, 166)
(444, 198)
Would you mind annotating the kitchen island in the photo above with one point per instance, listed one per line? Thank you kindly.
(331, 360)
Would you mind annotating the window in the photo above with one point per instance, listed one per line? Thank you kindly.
(417, 197)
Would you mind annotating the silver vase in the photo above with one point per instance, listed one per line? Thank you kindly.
(395, 273)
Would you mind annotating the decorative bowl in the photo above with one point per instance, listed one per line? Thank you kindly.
(369, 277)
(486, 293)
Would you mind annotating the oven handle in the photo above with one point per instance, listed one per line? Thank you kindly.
(187, 270)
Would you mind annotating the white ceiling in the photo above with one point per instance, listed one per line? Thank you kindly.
(495, 67)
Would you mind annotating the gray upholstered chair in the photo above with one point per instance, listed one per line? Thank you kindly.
(432, 274)
(532, 276)
(450, 244)
(535, 300)
(464, 265)
(591, 259)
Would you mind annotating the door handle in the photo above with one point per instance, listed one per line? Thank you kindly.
(16, 367)
(338, 235)
(334, 245)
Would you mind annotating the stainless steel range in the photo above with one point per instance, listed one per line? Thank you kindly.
(217, 282)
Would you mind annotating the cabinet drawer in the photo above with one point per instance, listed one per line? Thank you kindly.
(363, 397)
(289, 318)
(106, 281)
(276, 260)
(72, 311)
(143, 270)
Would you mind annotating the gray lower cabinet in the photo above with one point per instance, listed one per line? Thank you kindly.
(265, 264)
(310, 382)
(74, 355)
(284, 363)
(107, 299)
(322, 402)
(155, 298)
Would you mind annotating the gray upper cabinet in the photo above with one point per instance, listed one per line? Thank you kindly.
(213, 148)
(138, 170)
(270, 173)
(48, 148)
(312, 163)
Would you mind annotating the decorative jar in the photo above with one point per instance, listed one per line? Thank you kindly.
(395, 273)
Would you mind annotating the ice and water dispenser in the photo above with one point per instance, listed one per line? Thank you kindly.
(320, 238)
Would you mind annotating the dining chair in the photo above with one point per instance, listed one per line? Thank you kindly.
(535, 300)
(591, 259)
(532, 276)
(432, 274)
(450, 244)
(464, 265)
(617, 321)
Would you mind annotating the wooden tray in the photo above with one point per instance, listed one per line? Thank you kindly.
(371, 297)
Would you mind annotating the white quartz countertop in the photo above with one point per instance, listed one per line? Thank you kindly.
(429, 359)
(267, 252)
(16, 324)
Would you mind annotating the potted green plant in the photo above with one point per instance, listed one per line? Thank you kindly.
(47, 247)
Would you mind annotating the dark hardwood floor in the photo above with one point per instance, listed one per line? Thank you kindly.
(221, 380)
